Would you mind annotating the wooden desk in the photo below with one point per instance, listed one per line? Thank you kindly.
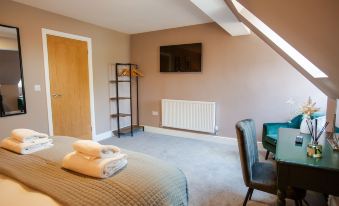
(295, 169)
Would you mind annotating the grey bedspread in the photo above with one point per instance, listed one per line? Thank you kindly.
(144, 181)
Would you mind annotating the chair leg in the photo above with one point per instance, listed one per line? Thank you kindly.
(249, 191)
(305, 202)
(296, 202)
(267, 153)
(250, 197)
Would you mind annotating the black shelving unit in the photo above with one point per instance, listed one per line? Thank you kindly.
(131, 128)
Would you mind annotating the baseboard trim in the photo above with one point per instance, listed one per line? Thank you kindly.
(186, 134)
(192, 135)
(176, 133)
(103, 136)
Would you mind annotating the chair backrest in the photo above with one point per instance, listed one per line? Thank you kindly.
(248, 149)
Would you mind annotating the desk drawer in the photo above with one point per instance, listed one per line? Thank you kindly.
(309, 178)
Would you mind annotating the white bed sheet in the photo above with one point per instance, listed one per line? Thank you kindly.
(14, 193)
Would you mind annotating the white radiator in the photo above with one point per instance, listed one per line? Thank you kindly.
(190, 115)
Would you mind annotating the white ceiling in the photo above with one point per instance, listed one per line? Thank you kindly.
(221, 14)
(128, 16)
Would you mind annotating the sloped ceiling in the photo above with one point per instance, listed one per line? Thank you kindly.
(222, 15)
(128, 16)
(311, 27)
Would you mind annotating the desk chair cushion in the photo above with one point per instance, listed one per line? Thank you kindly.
(264, 177)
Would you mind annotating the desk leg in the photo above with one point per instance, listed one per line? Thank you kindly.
(281, 198)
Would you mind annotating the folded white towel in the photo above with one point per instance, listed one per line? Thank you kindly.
(26, 135)
(101, 168)
(94, 150)
(12, 144)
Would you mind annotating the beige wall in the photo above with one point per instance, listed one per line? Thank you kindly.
(242, 74)
(331, 110)
(108, 47)
(310, 26)
(8, 44)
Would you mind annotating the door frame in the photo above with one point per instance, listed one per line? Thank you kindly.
(46, 32)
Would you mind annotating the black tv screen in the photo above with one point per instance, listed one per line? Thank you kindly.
(180, 58)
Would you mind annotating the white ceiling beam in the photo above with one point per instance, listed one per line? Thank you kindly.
(222, 15)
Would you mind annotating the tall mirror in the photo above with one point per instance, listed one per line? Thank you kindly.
(12, 93)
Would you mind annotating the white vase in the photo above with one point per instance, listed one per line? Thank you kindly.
(303, 126)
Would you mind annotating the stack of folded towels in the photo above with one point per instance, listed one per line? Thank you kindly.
(26, 141)
(93, 159)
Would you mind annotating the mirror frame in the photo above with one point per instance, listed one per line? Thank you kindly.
(21, 71)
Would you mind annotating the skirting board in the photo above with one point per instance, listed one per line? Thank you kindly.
(192, 135)
(176, 133)
(102, 136)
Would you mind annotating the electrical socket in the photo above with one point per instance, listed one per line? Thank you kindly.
(155, 113)
(37, 88)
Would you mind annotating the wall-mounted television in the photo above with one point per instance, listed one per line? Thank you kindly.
(181, 58)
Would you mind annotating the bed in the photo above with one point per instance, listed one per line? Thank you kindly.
(39, 177)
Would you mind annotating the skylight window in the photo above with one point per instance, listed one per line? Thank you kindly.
(280, 42)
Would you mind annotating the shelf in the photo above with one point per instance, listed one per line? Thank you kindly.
(131, 81)
(114, 81)
(128, 130)
(114, 98)
(120, 115)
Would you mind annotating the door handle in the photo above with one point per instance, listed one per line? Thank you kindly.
(56, 95)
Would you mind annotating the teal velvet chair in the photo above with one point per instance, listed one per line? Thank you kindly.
(270, 131)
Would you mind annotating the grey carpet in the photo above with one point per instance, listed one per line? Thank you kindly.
(212, 169)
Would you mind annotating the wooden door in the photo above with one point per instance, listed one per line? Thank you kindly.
(69, 86)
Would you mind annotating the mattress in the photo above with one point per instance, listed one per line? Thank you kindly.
(145, 180)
